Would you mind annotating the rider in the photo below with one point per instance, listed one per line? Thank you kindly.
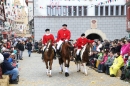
(81, 42)
(63, 35)
(48, 36)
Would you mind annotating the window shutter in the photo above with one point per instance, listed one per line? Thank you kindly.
(128, 13)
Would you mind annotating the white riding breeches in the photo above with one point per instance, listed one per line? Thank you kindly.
(52, 47)
(59, 44)
(44, 48)
(78, 51)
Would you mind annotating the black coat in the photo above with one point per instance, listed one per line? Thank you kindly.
(29, 46)
(6, 66)
(21, 47)
(118, 48)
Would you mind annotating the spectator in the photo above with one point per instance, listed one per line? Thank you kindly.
(93, 59)
(21, 49)
(102, 63)
(8, 69)
(99, 46)
(29, 48)
(100, 57)
(118, 63)
(109, 62)
(94, 46)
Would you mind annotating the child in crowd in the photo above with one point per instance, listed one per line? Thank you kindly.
(100, 57)
(101, 67)
(92, 59)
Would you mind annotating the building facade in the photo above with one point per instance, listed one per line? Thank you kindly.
(98, 19)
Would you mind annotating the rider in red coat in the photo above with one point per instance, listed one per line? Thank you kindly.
(63, 35)
(81, 42)
(48, 36)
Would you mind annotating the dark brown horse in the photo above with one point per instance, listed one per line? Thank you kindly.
(84, 57)
(48, 57)
(66, 55)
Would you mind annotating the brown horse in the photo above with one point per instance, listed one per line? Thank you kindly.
(84, 57)
(66, 55)
(48, 57)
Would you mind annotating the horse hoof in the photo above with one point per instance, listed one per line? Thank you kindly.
(50, 75)
(66, 74)
(86, 74)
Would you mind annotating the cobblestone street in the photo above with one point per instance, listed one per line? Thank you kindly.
(33, 73)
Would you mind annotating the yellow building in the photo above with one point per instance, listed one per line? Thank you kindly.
(21, 19)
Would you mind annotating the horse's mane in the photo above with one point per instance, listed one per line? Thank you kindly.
(65, 48)
(50, 49)
(85, 56)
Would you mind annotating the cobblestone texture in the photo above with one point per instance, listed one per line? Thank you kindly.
(33, 73)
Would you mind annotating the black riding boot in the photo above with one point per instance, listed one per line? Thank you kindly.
(42, 54)
(54, 55)
(58, 53)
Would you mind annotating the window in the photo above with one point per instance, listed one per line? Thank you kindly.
(69, 10)
(53, 10)
(96, 10)
(59, 11)
(112, 9)
(74, 10)
(101, 10)
(64, 11)
(80, 10)
(85, 10)
(122, 10)
(117, 10)
(106, 10)
(48, 10)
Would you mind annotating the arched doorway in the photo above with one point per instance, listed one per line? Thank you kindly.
(96, 31)
(94, 36)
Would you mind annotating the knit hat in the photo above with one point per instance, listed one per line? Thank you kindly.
(6, 55)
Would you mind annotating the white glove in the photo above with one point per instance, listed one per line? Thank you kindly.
(82, 46)
(66, 40)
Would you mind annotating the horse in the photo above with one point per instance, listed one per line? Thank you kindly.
(66, 54)
(48, 55)
(84, 57)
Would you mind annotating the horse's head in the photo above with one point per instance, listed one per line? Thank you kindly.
(49, 44)
(69, 47)
(89, 48)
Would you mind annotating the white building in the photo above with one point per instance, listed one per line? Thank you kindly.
(80, 15)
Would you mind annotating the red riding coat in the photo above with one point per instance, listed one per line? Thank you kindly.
(81, 42)
(63, 34)
(46, 38)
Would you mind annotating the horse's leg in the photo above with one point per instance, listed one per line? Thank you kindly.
(46, 67)
(50, 67)
(85, 70)
(77, 67)
(67, 67)
(61, 65)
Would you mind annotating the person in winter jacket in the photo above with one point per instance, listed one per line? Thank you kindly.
(63, 34)
(117, 64)
(29, 48)
(8, 69)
